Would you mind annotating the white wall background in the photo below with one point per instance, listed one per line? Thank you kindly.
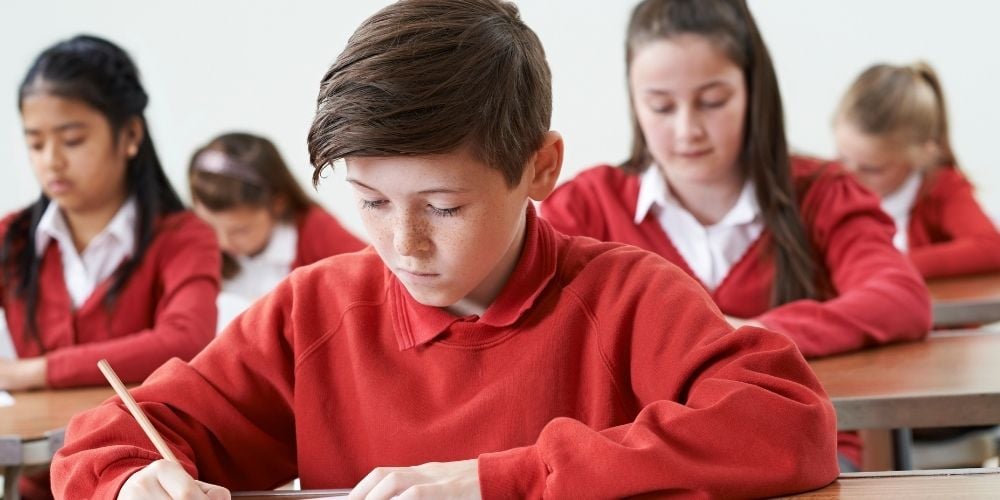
(255, 65)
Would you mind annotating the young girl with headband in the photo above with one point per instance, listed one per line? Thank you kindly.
(265, 222)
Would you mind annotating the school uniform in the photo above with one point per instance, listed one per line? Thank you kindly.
(948, 234)
(166, 308)
(599, 370)
(312, 236)
(879, 297)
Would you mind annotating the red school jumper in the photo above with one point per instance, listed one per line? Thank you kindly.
(320, 236)
(166, 309)
(948, 233)
(567, 386)
(880, 297)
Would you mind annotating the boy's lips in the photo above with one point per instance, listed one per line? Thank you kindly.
(415, 275)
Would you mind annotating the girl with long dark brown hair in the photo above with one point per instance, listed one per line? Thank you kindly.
(792, 244)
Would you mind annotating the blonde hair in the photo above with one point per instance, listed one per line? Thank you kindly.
(904, 103)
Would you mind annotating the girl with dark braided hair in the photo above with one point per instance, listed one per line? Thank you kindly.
(106, 263)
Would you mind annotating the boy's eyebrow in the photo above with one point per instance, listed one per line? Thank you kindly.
(362, 184)
(60, 128)
(425, 191)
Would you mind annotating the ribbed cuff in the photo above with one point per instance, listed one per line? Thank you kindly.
(516, 473)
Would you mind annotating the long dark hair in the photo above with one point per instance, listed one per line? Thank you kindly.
(729, 24)
(102, 75)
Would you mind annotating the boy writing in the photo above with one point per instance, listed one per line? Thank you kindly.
(473, 348)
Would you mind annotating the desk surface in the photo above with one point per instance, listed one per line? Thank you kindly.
(966, 300)
(289, 494)
(964, 483)
(959, 483)
(950, 379)
(36, 412)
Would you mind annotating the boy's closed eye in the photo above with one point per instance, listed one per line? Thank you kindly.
(439, 211)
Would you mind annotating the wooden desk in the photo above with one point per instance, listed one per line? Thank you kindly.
(289, 494)
(955, 483)
(966, 300)
(951, 379)
(31, 431)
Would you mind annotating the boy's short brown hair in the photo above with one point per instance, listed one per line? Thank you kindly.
(425, 77)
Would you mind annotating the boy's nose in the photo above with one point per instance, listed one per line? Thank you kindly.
(411, 237)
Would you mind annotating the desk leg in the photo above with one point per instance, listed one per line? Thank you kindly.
(902, 446)
(11, 475)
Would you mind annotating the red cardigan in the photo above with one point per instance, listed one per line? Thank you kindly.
(565, 387)
(166, 309)
(880, 297)
(320, 236)
(949, 234)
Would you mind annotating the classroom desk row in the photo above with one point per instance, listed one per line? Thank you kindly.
(966, 300)
(972, 484)
(950, 379)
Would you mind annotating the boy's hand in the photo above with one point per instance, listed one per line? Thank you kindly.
(458, 480)
(163, 480)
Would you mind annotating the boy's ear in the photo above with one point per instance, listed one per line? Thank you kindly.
(545, 166)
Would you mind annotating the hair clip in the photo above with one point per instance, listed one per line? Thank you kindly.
(214, 161)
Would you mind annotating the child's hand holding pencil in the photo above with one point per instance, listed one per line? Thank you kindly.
(163, 479)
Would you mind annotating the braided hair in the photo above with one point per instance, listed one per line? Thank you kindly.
(102, 75)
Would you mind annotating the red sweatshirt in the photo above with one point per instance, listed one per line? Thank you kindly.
(949, 234)
(565, 387)
(166, 309)
(320, 236)
(880, 297)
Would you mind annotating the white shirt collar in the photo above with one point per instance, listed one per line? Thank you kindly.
(121, 228)
(281, 249)
(899, 202)
(260, 273)
(83, 271)
(709, 251)
(653, 191)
